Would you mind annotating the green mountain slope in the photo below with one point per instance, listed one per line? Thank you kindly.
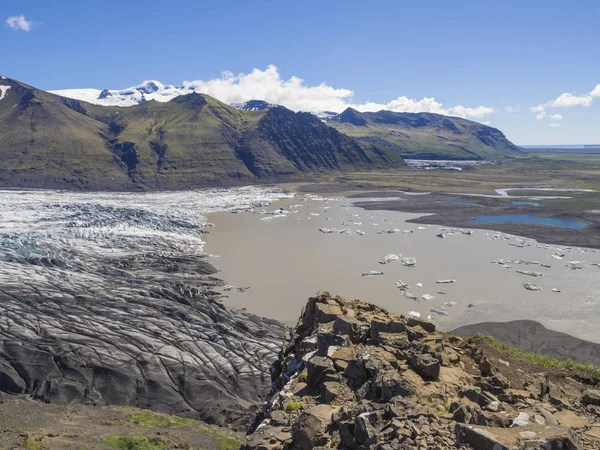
(425, 135)
(191, 141)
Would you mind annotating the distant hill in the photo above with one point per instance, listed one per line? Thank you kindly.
(193, 140)
(425, 135)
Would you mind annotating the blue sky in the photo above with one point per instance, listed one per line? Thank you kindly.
(497, 55)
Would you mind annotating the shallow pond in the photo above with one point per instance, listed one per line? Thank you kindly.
(528, 219)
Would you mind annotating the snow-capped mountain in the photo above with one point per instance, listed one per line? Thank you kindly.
(253, 105)
(136, 95)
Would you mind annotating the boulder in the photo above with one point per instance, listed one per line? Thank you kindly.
(591, 397)
(386, 326)
(531, 437)
(364, 431)
(318, 368)
(325, 312)
(310, 430)
(426, 366)
(330, 390)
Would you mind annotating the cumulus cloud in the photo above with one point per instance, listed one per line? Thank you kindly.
(19, 23)
(568, 100)
(295, 94)
(513, 109)
(554, 125)
(557, 117)
(541, 115)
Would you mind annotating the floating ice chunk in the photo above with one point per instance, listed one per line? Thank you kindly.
(409, 261)
(389, 258)
(556, 290)
(427, 297)
(441, 235)
(422, 228)
(371, 273)
(413, 314)
(445, 281)
(410, 296)
(442, 292)
(450, 304)
(439, 310)
(531, 287)
(228, 287)
(420, 285)
(327, 230)
(401, 285)
(531, 274)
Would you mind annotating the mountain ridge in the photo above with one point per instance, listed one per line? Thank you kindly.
(425, 135)
(191, 141)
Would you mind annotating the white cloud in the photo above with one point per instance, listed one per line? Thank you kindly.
(487, 122)
(568, 100)
(554, 125)
(294, 94)
(541, 115)
(19, 23)
(513, 109)
(557, 117)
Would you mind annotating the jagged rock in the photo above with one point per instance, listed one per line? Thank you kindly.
(427, 326)
(393, 382)
(347, 326)
(364, 432)
(531, 436)
(326, 340)
(310, 430)
(330, 390)
(318, 369)
(386, 326)
(475, 394)
(591, 397)
(426, 366)
(326, 313)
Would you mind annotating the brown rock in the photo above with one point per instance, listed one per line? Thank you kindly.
(570, 419)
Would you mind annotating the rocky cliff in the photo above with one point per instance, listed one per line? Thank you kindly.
(351, 375)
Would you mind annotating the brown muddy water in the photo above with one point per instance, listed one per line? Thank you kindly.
(284, 260)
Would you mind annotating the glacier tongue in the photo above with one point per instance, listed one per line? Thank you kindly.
(108, 298)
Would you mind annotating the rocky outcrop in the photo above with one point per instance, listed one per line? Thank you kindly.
(352, 375)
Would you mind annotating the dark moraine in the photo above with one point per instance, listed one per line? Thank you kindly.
(532, 336)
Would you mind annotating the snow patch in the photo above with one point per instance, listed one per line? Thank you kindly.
(3, 90)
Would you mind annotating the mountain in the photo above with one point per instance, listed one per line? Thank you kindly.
(191, 141)
(253, 105)
(425, 135)
(135, 95)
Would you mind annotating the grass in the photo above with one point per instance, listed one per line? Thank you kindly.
(30, 444)
(293, 405)
(152, 419)
(303, 376)
(138, 442)
(545, 361)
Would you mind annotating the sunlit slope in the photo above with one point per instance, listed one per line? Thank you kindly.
(190, 141)
(425, 135)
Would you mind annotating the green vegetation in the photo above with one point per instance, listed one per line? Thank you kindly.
(190, 141)
(426, 136)
(151, 419)
(293, 405)
(548, 362)
(133, 443)
(31, 444)
(302, 376)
